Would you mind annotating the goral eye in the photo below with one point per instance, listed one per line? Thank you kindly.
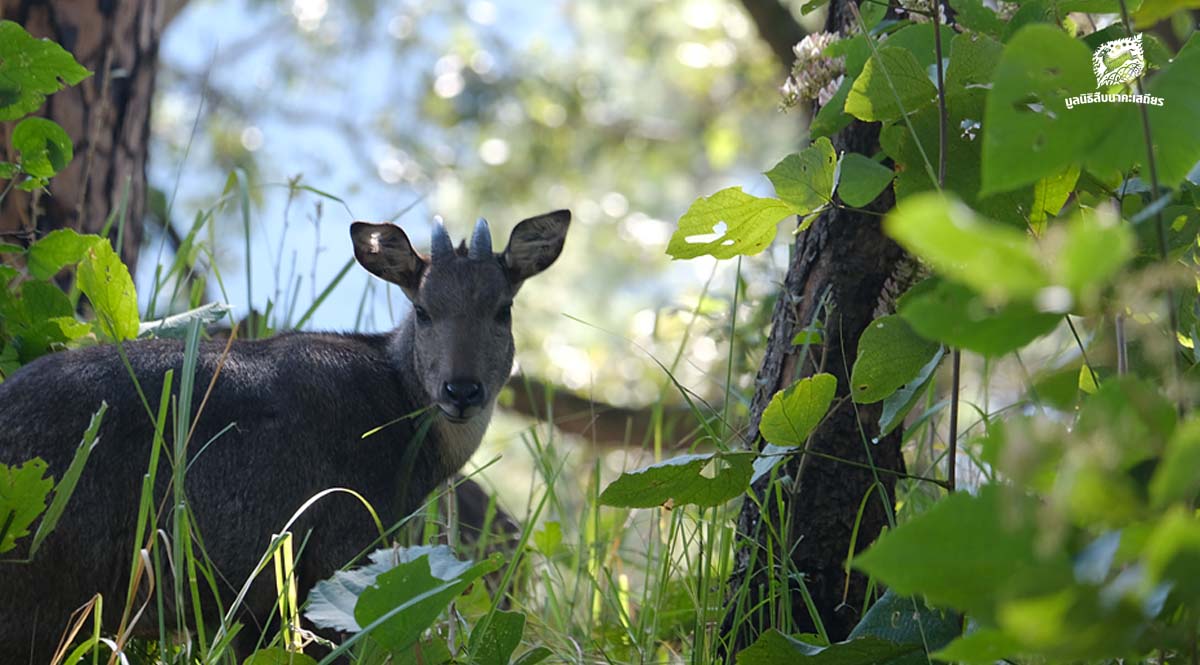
(421, 314)
(504, 314)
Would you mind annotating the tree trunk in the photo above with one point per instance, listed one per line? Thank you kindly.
(843, 272)
(107, 117)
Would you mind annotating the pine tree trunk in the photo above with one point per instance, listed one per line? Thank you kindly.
(107, 117)
(843, 273)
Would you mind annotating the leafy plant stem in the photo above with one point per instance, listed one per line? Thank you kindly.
(1083, 351)
(956, 363)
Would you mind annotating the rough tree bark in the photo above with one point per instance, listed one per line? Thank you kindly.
(843, 272)
(107, 116)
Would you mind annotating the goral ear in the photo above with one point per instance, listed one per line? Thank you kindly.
(384, 250)
(535, 244)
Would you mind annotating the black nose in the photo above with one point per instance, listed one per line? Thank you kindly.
(463, 392)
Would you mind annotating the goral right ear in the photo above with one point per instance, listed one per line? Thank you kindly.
(386, 252)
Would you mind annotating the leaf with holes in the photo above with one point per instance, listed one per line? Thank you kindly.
(726, 224)
(805, 180)
(700, 480)
(1172, 125)
(891, 85)
(890, 355)
(1030, 133)
(795, 412)
(30, 69)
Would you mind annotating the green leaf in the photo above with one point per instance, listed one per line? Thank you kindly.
(861, 179)
(548, 539)
(57, 250)
(413, 594)
(955, 316)
(494, 641)
(331, 601)
(897, 405)
(993, 259)
(890, 355)
(982, 647)
(533, 656)
(903, 620)
(9, 170)
(805, 180)
(1153, 11)
(795, 412)
(1030, 133)
(66, 486)
(775, 648)
(105, 280)
(891, 85)
(1172, 125)
(1175, 478)
(278, 656)
(45, 148)
(30, 69)
(1095, 249)
(984, 543)
(726, 224)
(23, 492)
(1051, 192)
(700, 480)
(979, 18)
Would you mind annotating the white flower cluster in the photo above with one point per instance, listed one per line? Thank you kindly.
(920, 11)
(815, 76)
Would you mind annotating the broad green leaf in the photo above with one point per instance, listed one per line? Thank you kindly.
(891, 85)
(1172, 552)
(23, 492)
(331, 601)
(1030, 133)
(1175, 478)
(726, 224)
(700, 480)
(41, 301)
(795, 412)
(45, 148)
(105, 280)
(1172, 125)
(890, 355)
(984, 543)
(494, 641)
(956, 316)
(548, 539)
(861, 179)
(916, 158)
(1096, 247)
(413, 594)
(1182, 224)
(1153, 11)
(982, 647)
(972, 60)
(993, 259)
(533, 656)
(66, 487)
(917, 39)
(805, 180)
(775, 648)
(975, 15)
(897, 405)
(902, 620)
(30, 69)
(278, 656)
(1051, 192)
(57, 250)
